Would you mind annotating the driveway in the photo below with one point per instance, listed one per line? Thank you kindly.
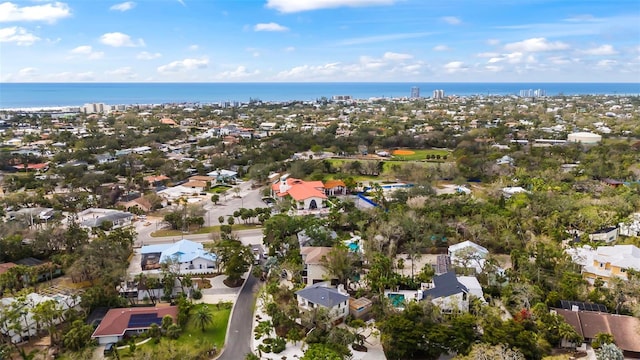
(239, 332)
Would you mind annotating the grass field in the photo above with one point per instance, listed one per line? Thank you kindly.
(202, 230)
(421, 154)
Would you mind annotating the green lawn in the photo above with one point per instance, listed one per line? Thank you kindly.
(192, 339)
(203, 230)
(219, 189)
(214, 333)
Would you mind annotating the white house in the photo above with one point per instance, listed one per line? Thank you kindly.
(606, 262)
(189, 256)
(321, 295)
(445, 291)
(608, 234)
(308, 195)
(313, 271)
(468, 254)
(94, 217)
(27, 322)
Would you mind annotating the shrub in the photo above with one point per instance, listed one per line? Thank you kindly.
(196, 294)
(279, 345)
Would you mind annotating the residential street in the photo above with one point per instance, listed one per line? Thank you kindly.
(238, 339)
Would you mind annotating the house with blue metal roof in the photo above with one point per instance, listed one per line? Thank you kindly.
(189, 256)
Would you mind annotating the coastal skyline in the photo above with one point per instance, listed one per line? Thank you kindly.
(320, 41)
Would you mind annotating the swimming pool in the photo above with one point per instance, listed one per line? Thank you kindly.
(397, 300)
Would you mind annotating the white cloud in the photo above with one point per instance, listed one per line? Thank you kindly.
(454, 67)
(27, 72)
(17, 35)
(87, 51)
(396, 56)
(292, 6)
(513, 58)
(239, 73)
(290, 49)
(382, 38)
(441, 48)
(310, 72)
(194, 47)
(606, 64)
(493, 42)
(558, 60)
(451, 20)
(123, 72)
(118, 39)
(10, 12)
(488, 54)
(493, 68)
(536, 45)
(143, 55)
(184, 65)
(68, 76)
(270, 27)
(601, 50)
(125, 6)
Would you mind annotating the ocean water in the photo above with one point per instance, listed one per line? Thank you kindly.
(29, 95)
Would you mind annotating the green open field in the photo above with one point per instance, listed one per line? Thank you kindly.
(421, 154)
(202, 230)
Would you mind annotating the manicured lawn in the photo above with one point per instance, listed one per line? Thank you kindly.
(192, 336)
(214, 333)
(218, 189)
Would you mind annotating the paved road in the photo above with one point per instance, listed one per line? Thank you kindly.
(238, 339)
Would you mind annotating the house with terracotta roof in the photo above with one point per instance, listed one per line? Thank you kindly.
(335, 187)
(155, 179)
(121, 322)
(167, 121)
(308, 195)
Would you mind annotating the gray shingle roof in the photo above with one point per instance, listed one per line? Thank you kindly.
(445, 285)
(322, 295)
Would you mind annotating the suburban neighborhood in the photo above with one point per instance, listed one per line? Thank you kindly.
(382, 228)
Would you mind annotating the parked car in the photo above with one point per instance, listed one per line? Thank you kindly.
(108, 349)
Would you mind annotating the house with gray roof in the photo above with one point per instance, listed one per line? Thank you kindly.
(94, 217)
(447, 292)
(322, 296)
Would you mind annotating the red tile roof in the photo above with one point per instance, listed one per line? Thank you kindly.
(301, 190)
(330, 184)
(116, 321)
(4, 267)
(152, 178)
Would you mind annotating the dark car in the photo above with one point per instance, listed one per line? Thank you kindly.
(108, 349)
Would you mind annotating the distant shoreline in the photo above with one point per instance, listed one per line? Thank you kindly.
(76, 94)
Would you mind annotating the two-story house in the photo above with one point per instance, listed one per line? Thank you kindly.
(606, 262)
(312, 261)
(451, 293)
(322, 296)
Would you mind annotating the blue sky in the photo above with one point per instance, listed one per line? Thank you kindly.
(320, 40)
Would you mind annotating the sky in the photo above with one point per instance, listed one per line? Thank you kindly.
(320, 41)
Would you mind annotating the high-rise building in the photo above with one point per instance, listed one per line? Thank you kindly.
(415, 92)
(438, 94)
(95, 108)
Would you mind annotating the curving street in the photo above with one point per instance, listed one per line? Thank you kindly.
(238, 339)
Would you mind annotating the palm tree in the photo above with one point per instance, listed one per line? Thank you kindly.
(203, 317)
